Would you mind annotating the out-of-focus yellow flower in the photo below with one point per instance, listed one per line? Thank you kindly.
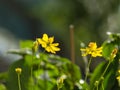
(113, 54)
(92, 50)
(119, 71)
(18, 70)
(60, 81)
(118, 77)
(47, 43)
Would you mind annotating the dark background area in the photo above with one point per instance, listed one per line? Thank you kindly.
(29, 19)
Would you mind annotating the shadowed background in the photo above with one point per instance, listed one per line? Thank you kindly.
(29, 19)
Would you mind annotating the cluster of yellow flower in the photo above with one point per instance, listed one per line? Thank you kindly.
(92, 50)
(47, 43)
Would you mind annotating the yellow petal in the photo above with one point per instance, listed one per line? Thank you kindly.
(55, 48)
(44, 45)
(40, 41)
(47, 49)
(45, 37)
(55, 44)
(92, 45)
(83, 49)
(51, 39)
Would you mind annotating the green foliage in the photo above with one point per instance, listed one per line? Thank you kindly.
(42, 71)
(47, 68)
(2, 87)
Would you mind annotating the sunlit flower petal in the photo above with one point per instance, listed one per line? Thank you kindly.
(55, 48)
(92, 45)
(45, 37)
(55, 44)
(51, 39)
(39, 40)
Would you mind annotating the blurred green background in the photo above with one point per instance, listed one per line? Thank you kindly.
(29, 19)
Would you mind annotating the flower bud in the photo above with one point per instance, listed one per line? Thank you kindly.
(18, 70)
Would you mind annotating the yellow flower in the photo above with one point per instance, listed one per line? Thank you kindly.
(119, 71)
(18, 70)
(47, 43)
(118, 77)
(92, 50)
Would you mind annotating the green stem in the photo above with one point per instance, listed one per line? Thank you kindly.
(87, 69)
(102, 86)
(19, 85)
(106, 69)
(37, 74)
(32, 71)
(32, 66)
(97, 87)
(58, 88)
(104, 74)
(45, 80)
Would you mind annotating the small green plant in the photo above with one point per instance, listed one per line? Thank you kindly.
(18, 71)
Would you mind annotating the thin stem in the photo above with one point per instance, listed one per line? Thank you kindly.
(58, 88)
(102, 86)
(32, 65)
(32, 70)
(19, 85)
(39, 66)
(104, 74)
(45, 79)
(38, 75)
(106, 69)
(87, 68)
(97, 87)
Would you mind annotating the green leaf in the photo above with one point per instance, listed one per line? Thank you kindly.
(22, 52)
(109, 45)
(3, 76)
(97, 74)
(26, 44)
(51, 66)
(12, 81)
(107, 49)
(2, 87)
